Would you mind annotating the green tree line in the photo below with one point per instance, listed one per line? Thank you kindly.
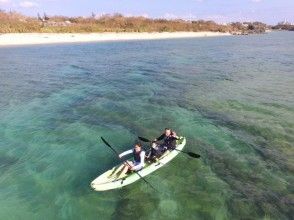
(13, 22)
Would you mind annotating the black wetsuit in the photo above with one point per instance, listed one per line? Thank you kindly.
(169, 143)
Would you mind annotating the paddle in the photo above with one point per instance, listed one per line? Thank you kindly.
(105, 142)
(191, 154)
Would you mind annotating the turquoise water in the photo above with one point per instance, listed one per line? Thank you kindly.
(232, 97)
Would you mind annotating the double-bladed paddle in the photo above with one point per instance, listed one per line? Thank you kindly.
(105, 142)
(191, 154)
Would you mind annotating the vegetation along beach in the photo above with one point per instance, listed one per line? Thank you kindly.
(162, 111)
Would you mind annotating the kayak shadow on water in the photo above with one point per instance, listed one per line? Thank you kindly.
(81, 184)
(136, 201)
(6, 162)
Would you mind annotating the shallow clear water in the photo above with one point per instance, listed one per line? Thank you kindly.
(232, 97)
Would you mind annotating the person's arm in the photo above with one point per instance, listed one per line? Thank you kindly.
(160, 137)
(176, 137)
(174, 134)
(125, 153)
(142, 161)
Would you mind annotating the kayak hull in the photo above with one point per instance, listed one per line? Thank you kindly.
(107, 181)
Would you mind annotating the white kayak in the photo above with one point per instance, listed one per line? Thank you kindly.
(109, 180)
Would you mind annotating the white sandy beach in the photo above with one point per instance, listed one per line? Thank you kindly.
(52, 38)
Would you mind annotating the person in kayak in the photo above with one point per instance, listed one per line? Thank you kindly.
(169, 138)
(139, 160)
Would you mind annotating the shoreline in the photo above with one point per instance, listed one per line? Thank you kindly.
(17, 39)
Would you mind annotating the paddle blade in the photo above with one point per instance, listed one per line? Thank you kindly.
(191, 154)
(105, 142)
(144, 139)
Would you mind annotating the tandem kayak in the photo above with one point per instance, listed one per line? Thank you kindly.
(109, 179)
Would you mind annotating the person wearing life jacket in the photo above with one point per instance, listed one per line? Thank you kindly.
(168, 139)
(138, 162)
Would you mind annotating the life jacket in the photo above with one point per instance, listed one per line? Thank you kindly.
(137, 157)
